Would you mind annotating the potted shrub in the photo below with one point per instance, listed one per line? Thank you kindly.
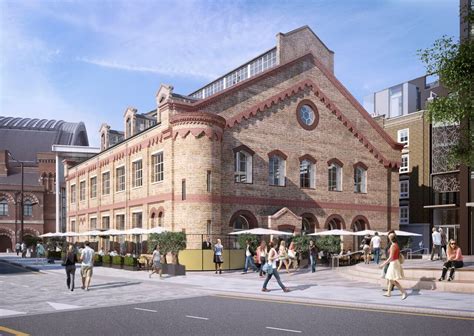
(97, 260)
(172, 243)
(302, 248)
(107, 261)
(117, 262)
(329, 245)
(130, 263)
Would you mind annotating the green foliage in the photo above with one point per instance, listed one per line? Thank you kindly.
(130, 261)
(117, 260)
(242, 240)
(168, 242)
(97, 258)
(302, 244)
(54, 255)
(329, 244)
(454, 64)
(107, 259)
(30, 240)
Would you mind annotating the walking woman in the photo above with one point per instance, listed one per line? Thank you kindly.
(395, 270)
(272, 269)
(156, 259)
(454, 260)
(292, 260)
(262, 255)
(283, 256)
(69, 262)
(218, 258)
(313, 255)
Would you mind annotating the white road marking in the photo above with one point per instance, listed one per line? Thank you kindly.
(6, 312)
(62, 306)
(289, 330)
(148, 310)
(197, 317)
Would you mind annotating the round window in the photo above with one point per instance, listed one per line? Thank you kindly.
(307, 115)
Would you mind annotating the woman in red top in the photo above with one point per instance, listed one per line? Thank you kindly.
(395, 270)
(454, 257)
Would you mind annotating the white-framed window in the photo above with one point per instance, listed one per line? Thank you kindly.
(137, 220)
(276, 171)
(307, 174)
(120, 179)
(404, 214)
(405, 189)
(106, 183)
(82, 191)
(334, 177)
(137, 173)
(73, 193)
(105, 223)
(27, 208)
(360, 180)
(157, 173)
(405, 165)
(73, 226)
(120, 222)
(93, 187)
(243, 167)
(396, 101)
(3, 207)
(93, 223)
(403, 136)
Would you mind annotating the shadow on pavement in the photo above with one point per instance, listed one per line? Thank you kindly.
(114, 285)
(301, 287)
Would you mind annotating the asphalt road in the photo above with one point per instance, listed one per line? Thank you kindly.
(225, 315)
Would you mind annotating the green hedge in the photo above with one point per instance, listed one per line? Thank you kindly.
(117, 260)
(107, 259)
(97, 258)
(130, 261)
(54, 255)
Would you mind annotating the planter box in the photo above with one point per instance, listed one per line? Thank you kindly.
(97, 263)
(116, 266)
(130, 268)
(173, 269)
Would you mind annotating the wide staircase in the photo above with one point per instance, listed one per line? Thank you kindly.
(420, 275)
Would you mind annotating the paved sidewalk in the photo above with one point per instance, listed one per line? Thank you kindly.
(115, 287)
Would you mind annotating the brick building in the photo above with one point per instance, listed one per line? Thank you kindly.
(278, 142)
(29, 142)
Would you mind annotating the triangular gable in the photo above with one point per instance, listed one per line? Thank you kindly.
(282, 212)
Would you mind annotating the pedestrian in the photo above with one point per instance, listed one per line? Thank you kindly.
(313, 255)
(262, 255)
(17, 248)
(207, 245)
(454, 260)
(69, 262)
(395, 270)
(375, 245)
(40, 251)
(249, 253)
(283, 256)
(272, 269)
(23, 250)
(436, 236)
(87, 264)
(218, 258)
(292, 260)
(366, 248)
(444, 242)
(156, 259)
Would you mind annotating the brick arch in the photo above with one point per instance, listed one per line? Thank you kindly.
(307, 157)
(7, 232)
(29, 231)
(314, 221)
(31, 197)
(336, 217)
(284, 227)
(362, 218)
(279, 153)
(252, 220)
(361, 165)
(336, 161)
(243, 148)
(8, 196)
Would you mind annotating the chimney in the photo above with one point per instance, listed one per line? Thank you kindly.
(3, 163)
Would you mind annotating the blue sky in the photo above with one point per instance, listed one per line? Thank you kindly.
(89, 60)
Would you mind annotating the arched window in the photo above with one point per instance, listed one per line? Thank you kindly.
(335, 222)
(152, 220)
(243, 159)
(360, 178)
(3, 207)
(307, 174)
(27, 208)
(160, 219)
(276, 170)
(334, 176)
(240, 223)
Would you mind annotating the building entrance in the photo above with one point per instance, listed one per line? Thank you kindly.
(452, 231)
(5, 243)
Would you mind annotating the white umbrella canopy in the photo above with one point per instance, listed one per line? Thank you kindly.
(113, 232)
(336, 232)
(262, 231)
(51, 234)
(365, 232)
(155, 230)
(135, 231)
(90, 233)
(70, 234)
(402, 233)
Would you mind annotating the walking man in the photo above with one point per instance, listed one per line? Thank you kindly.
(23, 250)
(249, 253)
(444, 242)
(375, 245)
(87, 264)
(17, 248)
(436, 236)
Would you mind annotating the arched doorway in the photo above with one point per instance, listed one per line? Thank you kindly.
(243, 220)
(5, 243)
(308, 223)
(360, 223)
(335, 222)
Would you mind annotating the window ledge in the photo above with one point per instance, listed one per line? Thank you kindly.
(335, 190)
(158, 182)
(308, 188)
(276, 185)
(137, 187)
(243, 182)
(120, 191)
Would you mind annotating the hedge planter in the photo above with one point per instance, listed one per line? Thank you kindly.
(173, 269)
(107, 261)
(130, 264)
(117, 262)
(97, 260)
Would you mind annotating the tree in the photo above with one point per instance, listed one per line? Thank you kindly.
(453, 62)
(169, 242)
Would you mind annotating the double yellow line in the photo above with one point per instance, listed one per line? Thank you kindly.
(375, 310)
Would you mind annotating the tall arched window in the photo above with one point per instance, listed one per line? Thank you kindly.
(3, 207)
(160, 219)
(240, 223)
(334, 175)
(27, 208)
(360, 178)
(276, 170)
(152, 220)
(243, 164)
(307, 174)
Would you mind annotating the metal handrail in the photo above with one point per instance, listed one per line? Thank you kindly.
(424, 249)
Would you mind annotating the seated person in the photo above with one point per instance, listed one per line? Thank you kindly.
(454, 260)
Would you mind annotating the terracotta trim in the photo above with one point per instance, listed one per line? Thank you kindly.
(197, 117)
(307, 157)
(316, 115)
(243, 148)
(336, 161)
(363, 218)
(335, 216)
(360, 164)
(278, 153)
(253, 222)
